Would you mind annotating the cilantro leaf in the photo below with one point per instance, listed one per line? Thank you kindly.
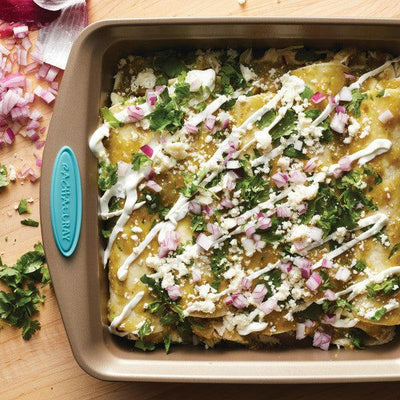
(19, 305)
(23, 207)
(357, 98)
(381, 93)
(30, 222)
(170, 64)
(109, 117)
(360, 266)
(3, 176)
(167, 343)
(198, 224)
(139, 160)
(231, 78)
(379, 314)
(108, 176)
(307, 93)
(357, 338)
(285, 127)
(267, 119)
(291, 152)
(385, 287)
(393, 250)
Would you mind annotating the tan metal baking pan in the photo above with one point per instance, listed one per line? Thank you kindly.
(79, 280)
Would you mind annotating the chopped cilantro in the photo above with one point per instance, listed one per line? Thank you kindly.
(306, 55)
(218, 265)
(167, 343)
(105, 233)
(20, 304)
(182, 93)
(190, 187)
(393, 250)
(385, 287)
(273, 280)
(109, 117)
(231, 78)
(108, 176)
(313, 312)
(381, 93)
(254, 190)
(357, 338)
(357, 98)
(313, 113)
(30, 222)
(139, 160)
(307, 93)
(3, 176)
(360, 266)
(228, 104)
(379, 314)
(23, 207)
(291, 152)
(267, 119)
(167, 115)
(285, 127)
(170, 64)
(198, 224)
(154, 203)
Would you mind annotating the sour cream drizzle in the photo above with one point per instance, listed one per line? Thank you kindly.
(117, 321)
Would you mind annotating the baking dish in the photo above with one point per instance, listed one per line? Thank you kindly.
(80, 281)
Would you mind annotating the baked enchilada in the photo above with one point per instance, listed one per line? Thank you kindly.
(250, 198)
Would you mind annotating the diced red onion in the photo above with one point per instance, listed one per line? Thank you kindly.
(146, 149)
(4, 50)
(160, 89)
(174, 292)
(386, 116)
(226, 203)
(340, 109)
(52, 74)
(297, 177)
(207, 210)
(214, 229)
(259, 293)
(280, 179)
(343, 274)
(194, 207)
(330, 295)
(333, 101)
(314, 281)
(151, 97)
(44, 68)
(311, 164)
(170, 243)
(135, 113)
(20, 31)
(321, 340)
(264, 223)
(9, 136)
(345, 94)
(44, 94)
(301, 208)
(239, 300)
(283, 212)
(329, 319)
(345, 163)
(250, 230)
(245, 283)
(204, 241)
(210, 122)
(225, 123)
(318, 97)
(39, 144)
(327, 263)
(269, 305)
(154, 186)
(349, 76)
(191, 128)
(33, 135)
(285, 266)
(300, 331)
(38, 162)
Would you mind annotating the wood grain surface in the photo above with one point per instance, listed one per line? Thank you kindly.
(44, 368)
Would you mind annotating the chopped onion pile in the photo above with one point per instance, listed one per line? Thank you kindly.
(19, 63)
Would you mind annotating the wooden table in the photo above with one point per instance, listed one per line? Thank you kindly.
(44, 367)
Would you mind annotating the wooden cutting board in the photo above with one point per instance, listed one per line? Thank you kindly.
(44, 368)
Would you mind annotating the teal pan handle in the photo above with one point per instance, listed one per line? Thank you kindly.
(66, 201)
